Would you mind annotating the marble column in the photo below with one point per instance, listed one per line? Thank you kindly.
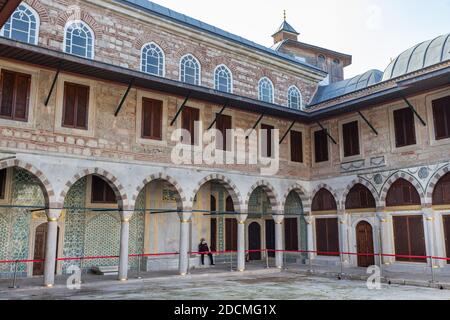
(185, 221)
(241, 218)
(279, 248)
(343, 236)
(310, 236)
(51, 244)
(384, 238)
(429, 217)
(124, 244)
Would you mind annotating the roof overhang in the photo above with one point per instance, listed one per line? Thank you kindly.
(7, 8)
(52, 59)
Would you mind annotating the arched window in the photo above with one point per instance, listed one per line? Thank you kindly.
(79, 39)
(23, 25)
(359, 197)
(152, 59)
(294, 98)
(323, 201)
(190, 70)
(265, 90)
(402, 193)
(441, 193)
(223, 79)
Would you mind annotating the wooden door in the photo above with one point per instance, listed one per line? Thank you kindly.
(409, 238)
(364, 243)
(447, 235)
(291, 233)
(40, 240)
(254, 241)
(231, 234)
(270, 237)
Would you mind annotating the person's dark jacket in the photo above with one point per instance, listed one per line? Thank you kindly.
(203, 247)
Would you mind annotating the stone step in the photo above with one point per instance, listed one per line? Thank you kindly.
(106, 270)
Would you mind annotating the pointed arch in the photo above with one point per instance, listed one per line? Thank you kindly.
(392, 179)
(434, 181)
(295, 99)
(223, 79)
(122, 198)
(271, 194)
(23, 25)
(153, 59)
(85, 39)
(301, 193)
(266, 90)
(226, 182)
(363, 182)
(190, 69)
(324, 186)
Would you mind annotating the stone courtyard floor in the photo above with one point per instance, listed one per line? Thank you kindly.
(220, 284)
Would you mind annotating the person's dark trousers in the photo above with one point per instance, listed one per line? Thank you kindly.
(211, 260)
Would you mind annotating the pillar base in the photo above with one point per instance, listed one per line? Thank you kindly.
(279, 267)
(123, 280)
(241, 270)
(49, 285)
(183, 274)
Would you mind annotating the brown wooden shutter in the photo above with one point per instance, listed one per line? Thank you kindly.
(76, 106)
(446, 220)
(321, 236)
(151, 119)
(359, 197)
(405, 130)
(101, 191)
(333, 236)
(441, 193)
(409, 238)
(230, 234)
(296, 146)
(441, 115)
(291, 233)
(14, 95)
(402, 193)
(223, 124)
(213, 234)
(2, 183)
(229, 205)
(269, 141)
(323, 201)
(327, 237)
(189, 117)
(351, 138)
(321, 146)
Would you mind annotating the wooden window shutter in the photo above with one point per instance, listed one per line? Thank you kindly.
(101, 191)
(213, 226)
(223, 124)
(327, 237)
(441, 115)
(402, 193)
(321, 236)
(333, 236)
(151, 119)
(441, 192)
(360, 197)
(351, 138)
(446, 220)
(2, 183)
(14, 95)
(321, 146)
(291, 234)
(230, 234)
(405, 130)
(409, 238)
(189, 117)
(296, 146)
(76, 106)
(268, 142)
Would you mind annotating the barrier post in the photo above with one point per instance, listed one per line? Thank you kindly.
(310, 262)
(284, 261)
(380, 254)
(13, 285)
(231, 260)
(342, 267)
(432, 270)
(267, 259)
(139, 267)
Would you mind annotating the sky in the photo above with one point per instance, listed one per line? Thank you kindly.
(372, 31)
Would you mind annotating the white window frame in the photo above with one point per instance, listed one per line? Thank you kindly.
(163, 57)
(36, 17)
(430, 115)
(72, 22)
(264, 79)
(199, 69)
(291, 88)
(230, 89)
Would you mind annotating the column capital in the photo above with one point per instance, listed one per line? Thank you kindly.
(278, 218)
(53, 214)
(125, 216)
(308, 219)
(241, 218)
(185, 217)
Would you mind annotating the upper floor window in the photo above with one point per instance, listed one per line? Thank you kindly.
(152, 119)
(152, 59)
(14, 95)
(75, 106)
(79, 39)
(405, 131)
(223, 79)
(321, 146)
(23, 25)
(223, 124)
(350, 135)
(189, 116)
(296, 146)
(267, 140)
(190, 70)
(441, 115)
(294, 98)
(266, 90)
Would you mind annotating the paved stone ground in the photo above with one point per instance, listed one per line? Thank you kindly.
(264, 284)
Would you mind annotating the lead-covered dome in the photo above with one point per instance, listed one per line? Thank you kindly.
(423, 55)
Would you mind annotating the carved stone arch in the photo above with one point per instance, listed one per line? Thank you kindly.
(306, 203)
(47, 189)
(182, 205)
(119, 190)
(363, 182)
(393, 178)
(271, 194)
(226, 182)
(76, 14)
(330, 189)
(434, 181)
(40, 9)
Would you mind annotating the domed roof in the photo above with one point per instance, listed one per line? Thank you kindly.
(423, 55)
(347, 86)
